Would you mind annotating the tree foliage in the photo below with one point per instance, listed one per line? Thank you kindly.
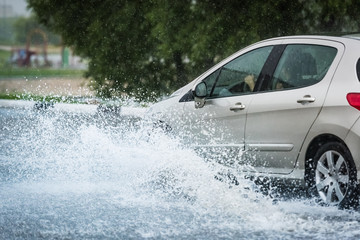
(148, 48)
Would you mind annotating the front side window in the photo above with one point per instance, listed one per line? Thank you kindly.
(210, 81)
(301, 66)
(240, 75)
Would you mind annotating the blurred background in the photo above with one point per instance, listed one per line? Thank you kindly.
(34, 62)
(143, 49)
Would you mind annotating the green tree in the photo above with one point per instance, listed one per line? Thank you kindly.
(148, 48)
(114, 36)
(173, 24)
(332, 17)
(224, 27)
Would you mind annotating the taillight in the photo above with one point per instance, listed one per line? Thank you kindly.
(354, 100)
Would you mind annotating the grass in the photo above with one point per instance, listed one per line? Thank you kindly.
(39, 72)
(38, 98)
(8, 71)
(4, 55)
(10, 96)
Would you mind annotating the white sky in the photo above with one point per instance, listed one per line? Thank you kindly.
(19, 6)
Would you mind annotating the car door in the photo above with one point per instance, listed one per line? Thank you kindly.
(281, 114)
(218, 127)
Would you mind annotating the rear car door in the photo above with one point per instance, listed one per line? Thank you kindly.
(281, 114)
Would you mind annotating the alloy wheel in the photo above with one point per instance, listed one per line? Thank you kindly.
(332, 177)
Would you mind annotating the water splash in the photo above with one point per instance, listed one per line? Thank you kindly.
(86, 175)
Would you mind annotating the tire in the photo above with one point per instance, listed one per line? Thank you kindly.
(334, 177)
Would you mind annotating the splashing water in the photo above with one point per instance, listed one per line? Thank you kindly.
(84, 175)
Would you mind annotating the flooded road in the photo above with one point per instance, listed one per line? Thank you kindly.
(74, 173)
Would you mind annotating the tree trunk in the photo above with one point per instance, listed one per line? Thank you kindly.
(180, 70)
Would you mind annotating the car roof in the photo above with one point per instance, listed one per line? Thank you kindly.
(345, 38)
(353, 36)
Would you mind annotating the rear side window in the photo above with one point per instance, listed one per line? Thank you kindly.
(358, 69)
(302, 65)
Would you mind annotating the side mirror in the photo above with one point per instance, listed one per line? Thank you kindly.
(200, 93)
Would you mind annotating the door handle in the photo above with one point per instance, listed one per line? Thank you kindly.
(238, 106)
(306, 99)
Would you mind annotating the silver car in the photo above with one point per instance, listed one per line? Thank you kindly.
(285, 108)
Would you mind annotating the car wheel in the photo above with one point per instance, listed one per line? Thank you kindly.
(335, 176)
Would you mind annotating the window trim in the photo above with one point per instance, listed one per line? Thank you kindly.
(358, 69)
(269, 68)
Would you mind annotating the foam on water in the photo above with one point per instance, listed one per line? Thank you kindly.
(89, 176)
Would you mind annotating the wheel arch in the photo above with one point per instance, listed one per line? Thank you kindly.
(312, 148)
